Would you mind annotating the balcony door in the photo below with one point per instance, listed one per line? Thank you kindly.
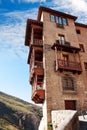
(61, 39)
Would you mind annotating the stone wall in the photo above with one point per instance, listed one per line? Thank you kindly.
(65, 120)
(54, 94)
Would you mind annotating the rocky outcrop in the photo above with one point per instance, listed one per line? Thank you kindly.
(18, 113)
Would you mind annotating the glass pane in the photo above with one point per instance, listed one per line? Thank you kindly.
(60, 20)
(57, 21)
(64, 21)
(52, 18)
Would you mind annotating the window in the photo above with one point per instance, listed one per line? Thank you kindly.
(59, 21)
(82, 47)
(78, 31)
(68, 83)
(85, 64)
(52, 17)
(65, 21)
(61, 39)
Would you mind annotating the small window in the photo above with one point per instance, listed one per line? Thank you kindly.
(57, 19)
(52, 17)
(78, 31)
(65, 21)
(85, 64)
(68, 83)
(82, 47)
(60, 20)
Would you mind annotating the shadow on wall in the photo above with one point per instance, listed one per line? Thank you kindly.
(83, 125)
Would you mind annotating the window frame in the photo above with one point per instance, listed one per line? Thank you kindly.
(67, 81)
(60, 21)
(52, 17)
(61, 39)
(65, 23)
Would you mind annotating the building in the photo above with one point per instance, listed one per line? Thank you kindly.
(58, 61)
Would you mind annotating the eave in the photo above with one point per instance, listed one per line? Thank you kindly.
(81, 25)
(65, 15)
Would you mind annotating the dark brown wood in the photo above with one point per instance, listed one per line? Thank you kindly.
(65, 47)
(32, 24)
(70, 105)
(38, 96)
(69, 66)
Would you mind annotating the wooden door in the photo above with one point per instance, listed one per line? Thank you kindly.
(70, 105)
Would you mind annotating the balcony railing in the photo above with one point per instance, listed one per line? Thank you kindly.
(36, 67)
(68, 65)
(65, 46)
(63, 42)
(37, 42)
(38, 64)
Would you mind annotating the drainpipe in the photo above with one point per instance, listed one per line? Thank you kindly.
(56, 58)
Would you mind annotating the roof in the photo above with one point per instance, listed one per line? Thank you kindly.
(81, 25)
(41, 9)
(28, 29)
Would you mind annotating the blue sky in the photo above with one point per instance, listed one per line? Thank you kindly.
(14, 70)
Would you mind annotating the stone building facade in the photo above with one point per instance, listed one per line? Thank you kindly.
(58, 61)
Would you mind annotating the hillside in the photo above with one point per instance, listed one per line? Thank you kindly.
(16, 114)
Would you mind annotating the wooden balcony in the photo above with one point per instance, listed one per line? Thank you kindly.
(68, 66)
(38, 96)
(37, 42)
(36, 68)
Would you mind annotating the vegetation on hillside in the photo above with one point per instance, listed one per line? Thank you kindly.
(12, 109)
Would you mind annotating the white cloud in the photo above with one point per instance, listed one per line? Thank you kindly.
(80, 5)
(75, 7)
(12, 34)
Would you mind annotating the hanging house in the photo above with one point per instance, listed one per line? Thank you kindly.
(58, 62)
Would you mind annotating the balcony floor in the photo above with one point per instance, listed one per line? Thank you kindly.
(38, 96)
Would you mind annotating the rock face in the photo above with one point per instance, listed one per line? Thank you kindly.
(18, 114)
(30, 122)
